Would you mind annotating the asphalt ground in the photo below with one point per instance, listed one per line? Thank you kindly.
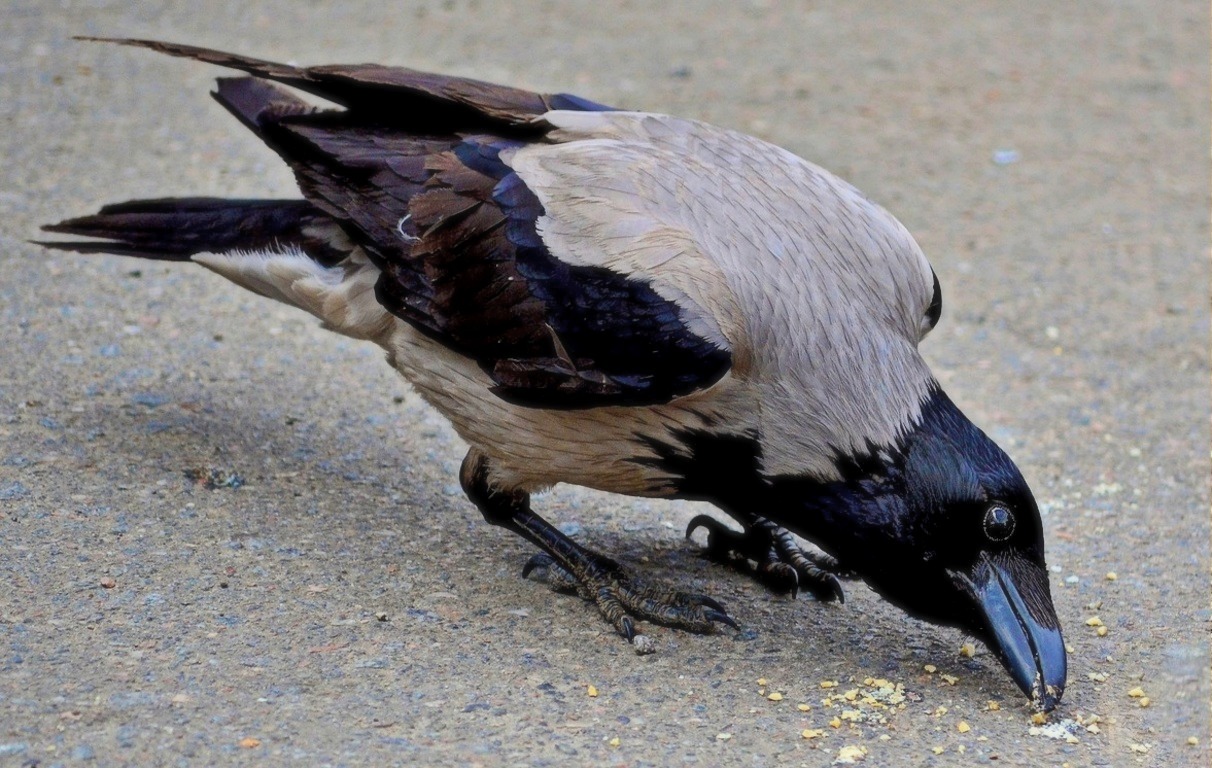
(229, 537)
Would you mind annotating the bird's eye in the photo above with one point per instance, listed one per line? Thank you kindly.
(999, 523)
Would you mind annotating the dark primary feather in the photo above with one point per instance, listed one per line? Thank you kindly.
(419, 100)
(174, 229)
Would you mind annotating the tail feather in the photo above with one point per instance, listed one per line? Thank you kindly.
(175, 229)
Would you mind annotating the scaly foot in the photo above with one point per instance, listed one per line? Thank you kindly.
(770, 553)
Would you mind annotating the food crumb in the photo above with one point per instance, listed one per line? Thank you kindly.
(1094, 621)
(1136, 693)
(963, 727)
(248, 742)
(812, 733)
(803, 707)
(930, 668)
(829, 683)
(1139, 749)
(762, 681)
(949, 679)
(592, 692)
(1101, 631)
(937, 750)
(1111, 576)
(1038, 718)
(776, 696)
(850, 754)
(836, 722)
(614, 742)
(967, 650)
(993, 706)
(723, 736)
(1193, 741)
(1144, 701)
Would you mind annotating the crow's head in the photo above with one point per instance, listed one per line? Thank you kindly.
(944, 526)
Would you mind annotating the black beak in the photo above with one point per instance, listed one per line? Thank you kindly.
(1012, 595)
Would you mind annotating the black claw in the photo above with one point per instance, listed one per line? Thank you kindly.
(721, 617)
(835, 587)
(702, 521)
(541, 560)
(628, 629)
(828, 589)
(710, 602)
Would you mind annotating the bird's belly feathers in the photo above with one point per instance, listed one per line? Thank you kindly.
(533, 448)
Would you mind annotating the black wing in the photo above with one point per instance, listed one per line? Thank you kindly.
(411, 170)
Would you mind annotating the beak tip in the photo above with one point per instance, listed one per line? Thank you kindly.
(1045, 697)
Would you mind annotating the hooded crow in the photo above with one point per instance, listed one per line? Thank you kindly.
(640, 304)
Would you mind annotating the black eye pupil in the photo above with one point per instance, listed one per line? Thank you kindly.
(999, 523)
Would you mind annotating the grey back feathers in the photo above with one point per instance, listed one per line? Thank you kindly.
(820, 294)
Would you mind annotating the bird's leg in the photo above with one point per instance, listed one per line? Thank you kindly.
(593, 576)
(781, 563)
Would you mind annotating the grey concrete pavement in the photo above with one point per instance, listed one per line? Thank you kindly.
(209, 503)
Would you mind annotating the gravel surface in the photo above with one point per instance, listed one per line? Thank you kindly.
(231, 538)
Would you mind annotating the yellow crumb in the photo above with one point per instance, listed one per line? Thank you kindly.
(1136, 693)
(930, 668)
(963, 727)
(1101, 631)
(614, 742)
(776, 696)
(1111, 576)
(835, 723)
(1094, 621)
(803, 707)
(850, 754)
(1144, 701)
(993, 706)
(812, 733)
(968, 650)
(592, 691)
